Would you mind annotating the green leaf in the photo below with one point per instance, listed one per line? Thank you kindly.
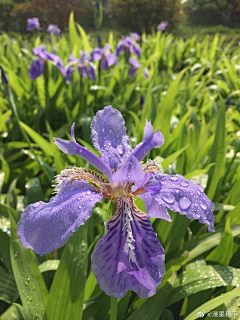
(172, 157)
(4, 118)
(30, 283)
(90, 286)
(164, 113)
(66, 296)
(198, 171)
(49, 265)
(224, 251)
(199, 279)
(5, 248)
(206, 242)
(85, 41)
(153, 307)
(216, 173)
(14, 312)
(72, 31)
(41, 142)
(34, 191)
(8, 288)
(214, 303)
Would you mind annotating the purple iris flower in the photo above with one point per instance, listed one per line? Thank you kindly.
(162, 26)
(108, 58)
(135, 65)
(129, 256)
(135, 36)
(53, 29)
(37, 65)
(86, 67)
(33, 23)
(128, 44)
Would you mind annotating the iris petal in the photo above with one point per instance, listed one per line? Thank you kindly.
(150, 140)
(46, 226)
(36, 69)
(109, 136)
(130, 171)
(184, 196)
(129, 256)
(73, 148)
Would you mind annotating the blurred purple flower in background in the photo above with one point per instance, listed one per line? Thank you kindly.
(108, 58)
(162, 26)
(129, 45)
(54, 29)
(135, 65)
(129, 256)
(33, 23)
(146, 73)
(135, 36)
(72, 61)
(86, 67)
(37, 65)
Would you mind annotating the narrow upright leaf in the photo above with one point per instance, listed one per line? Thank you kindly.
(66, 296)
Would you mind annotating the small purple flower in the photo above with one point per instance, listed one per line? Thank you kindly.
(108, 58)
(37, 65)
(162, 26)
(33, 23)
(53, 29)
(135, 65)
(146, 73)
(135, 36)
(129, 45)
(129, 256)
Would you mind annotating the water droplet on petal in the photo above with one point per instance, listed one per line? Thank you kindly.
(173, 178)
(120, 149)
(203, 205)
(184, 203)
(184, 183)
(168, 197)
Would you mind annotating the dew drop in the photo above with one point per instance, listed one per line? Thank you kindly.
(184, 183)
(168, 197)
(184, 203)
(120, 149)
(173, 178)
(203, 205)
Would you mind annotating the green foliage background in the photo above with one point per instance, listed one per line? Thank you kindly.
(193, 97)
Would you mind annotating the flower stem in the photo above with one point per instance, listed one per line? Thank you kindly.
(113, 309)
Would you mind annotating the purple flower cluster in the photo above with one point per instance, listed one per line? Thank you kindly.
(33, 23)
(129, 256)
(85, 63)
